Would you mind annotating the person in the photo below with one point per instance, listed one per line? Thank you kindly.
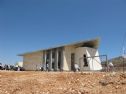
(44, 67)
(47, 67)
(18, 68)
(41, 68)
(1, 67)
(76, 67)
(111, 67)
(6, 67)
(85, 61)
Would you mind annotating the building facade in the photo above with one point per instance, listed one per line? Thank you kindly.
(64, 58)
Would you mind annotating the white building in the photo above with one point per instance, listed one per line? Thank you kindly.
(63, 58)
(20, 64)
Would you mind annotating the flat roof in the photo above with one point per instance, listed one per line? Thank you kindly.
(93, 43)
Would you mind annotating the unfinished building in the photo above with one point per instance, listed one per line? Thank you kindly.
(64, 57)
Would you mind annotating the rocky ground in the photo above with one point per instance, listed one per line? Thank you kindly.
(61, 83)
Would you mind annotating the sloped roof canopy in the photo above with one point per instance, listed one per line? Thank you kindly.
(94, 43)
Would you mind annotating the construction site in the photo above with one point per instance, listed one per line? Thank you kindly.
(67, 69)
(62, 46)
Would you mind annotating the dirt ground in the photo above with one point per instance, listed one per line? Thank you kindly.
(61, 83)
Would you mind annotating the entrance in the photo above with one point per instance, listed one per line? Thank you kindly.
(59, 60)
(72, 61)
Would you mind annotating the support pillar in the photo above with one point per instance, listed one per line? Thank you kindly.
(62, 59)
(56, 60)
(50, 60)
(45, 58)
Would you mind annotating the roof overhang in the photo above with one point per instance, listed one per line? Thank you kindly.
(94, 43)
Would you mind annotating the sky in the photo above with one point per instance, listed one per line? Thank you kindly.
(29, 25)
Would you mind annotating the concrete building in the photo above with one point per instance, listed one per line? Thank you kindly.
(20, 64)
(63, 58)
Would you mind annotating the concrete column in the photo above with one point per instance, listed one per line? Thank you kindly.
(50, 60)
(56, 60)
(45, 58)
(62, 59)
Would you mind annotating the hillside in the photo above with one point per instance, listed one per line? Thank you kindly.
(118, 61)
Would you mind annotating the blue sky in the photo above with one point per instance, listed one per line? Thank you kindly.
(28, 25)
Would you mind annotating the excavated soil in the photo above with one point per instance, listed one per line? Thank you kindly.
(62, 83)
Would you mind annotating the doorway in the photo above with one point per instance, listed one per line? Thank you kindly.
(72, 61)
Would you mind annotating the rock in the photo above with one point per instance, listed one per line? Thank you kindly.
(104, 82)
(116, 87)
(123, 75)
(103, 75)
(123, 82)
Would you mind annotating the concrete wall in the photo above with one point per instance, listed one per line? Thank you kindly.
(67, 57)
(93, 63)
(32, 61)
(79, 57)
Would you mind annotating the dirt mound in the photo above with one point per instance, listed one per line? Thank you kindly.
(61, 83)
